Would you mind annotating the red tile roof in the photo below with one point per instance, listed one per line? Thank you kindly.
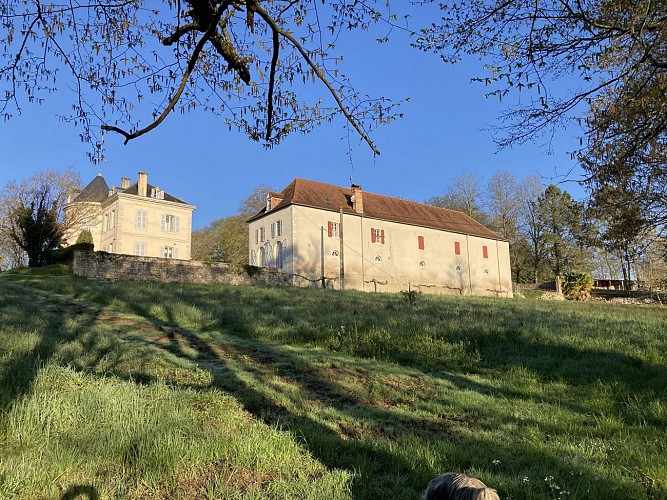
(329, 197)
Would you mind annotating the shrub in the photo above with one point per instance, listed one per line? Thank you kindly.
(86, 237)
(577, 285)
(411, 296)
(66, 255)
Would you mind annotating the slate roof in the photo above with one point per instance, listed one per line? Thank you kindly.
(329, 197)
(96, 191)
(134, 189)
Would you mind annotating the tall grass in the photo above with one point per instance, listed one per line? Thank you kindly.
(535, 398)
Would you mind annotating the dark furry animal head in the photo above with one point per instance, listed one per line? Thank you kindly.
(452, 486)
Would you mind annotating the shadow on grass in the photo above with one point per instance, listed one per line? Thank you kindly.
(38, 317)
(279, 387)
(369, 438)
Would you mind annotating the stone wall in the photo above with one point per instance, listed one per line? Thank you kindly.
(118, 267)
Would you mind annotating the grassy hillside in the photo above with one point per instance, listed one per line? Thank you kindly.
(146, 390)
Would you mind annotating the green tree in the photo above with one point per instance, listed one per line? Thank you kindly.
(32, 218)
(226, 239)
(35, 228)
(613, 54)
(561, 216)
(132, 63)
(621, 225)
(85, 236)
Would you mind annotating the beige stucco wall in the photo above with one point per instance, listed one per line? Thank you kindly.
(269, 244)
(396, 265)
(124, 233)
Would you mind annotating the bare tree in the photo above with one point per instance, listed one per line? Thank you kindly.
(131, 63)
(465, 194)
(504, 204)
(613, 54)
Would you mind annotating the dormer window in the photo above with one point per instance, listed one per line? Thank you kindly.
(269, 202)
(157, 193)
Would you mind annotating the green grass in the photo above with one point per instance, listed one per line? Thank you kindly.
(335, 394)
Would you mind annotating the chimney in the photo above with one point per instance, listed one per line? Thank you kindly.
(143, 184)
(272, 201)
(357, 199)
(124, 182)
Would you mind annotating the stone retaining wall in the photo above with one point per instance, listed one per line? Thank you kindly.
(117, 267)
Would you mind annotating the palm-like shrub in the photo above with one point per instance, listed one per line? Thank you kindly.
(577, 285)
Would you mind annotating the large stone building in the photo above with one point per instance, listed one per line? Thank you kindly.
(345, 238)
(138, 219)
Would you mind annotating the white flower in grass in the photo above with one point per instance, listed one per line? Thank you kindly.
(496, 462)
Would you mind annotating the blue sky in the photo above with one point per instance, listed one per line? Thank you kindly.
(195, 157)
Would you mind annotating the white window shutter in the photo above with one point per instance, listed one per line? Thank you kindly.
(163, 222)
(175, 254)
(161, 251)
(176, 224)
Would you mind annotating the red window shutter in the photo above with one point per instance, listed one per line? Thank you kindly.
(382, 236)
(330, 228)
(457, 248)
(485, 252)
(372, 235)
(420, 240)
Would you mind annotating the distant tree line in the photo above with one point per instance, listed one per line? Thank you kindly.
(551, 233)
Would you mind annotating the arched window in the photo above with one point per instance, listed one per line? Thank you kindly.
(335, 253)
(268, 255)
(262, 257)
(422, 263)
(279, 255)
(378, 258)
(253, 258)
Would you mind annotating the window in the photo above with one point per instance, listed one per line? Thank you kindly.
(141, 219)
(253, 258)
(332, 229)
(268, 255)
(139, 248)
(169, 252)
(485, 251)
(273, 230)
(108, 220)
(279, 255)
(157, 194)
(279, 228)
(378, 258)
(377, 236)
(169, 223)
(256, 235)
(422, 264)
(420, 242)
(458, 268)
(262, 257)
(457, 247)
(86, 223)
(486, 271)
(335, 253)
(262, 234)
